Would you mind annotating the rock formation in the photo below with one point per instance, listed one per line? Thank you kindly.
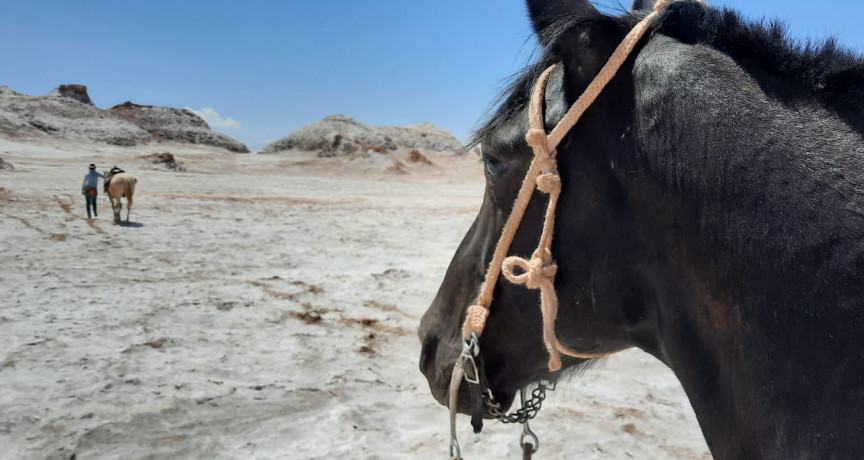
(77, 92)
(68, 113)
(178, 125)
(164, 160)
(338, 135)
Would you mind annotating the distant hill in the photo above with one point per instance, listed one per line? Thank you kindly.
(68, 113)
(340, 135)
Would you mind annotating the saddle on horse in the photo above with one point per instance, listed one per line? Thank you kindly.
(111, 173)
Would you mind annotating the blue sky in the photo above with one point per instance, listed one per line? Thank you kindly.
(268, 67)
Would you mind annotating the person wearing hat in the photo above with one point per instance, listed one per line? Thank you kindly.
(89, 189)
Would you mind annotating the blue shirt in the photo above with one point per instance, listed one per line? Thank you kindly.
(91, 179)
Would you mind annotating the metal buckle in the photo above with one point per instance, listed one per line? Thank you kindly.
(470, 350)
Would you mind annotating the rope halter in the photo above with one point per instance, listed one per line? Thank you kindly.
(538, 272)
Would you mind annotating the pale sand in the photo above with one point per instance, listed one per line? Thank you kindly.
(263, 306)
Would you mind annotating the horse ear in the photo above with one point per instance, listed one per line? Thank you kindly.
(547, 14)
(580, 36)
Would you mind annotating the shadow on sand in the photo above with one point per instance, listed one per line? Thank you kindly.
(131, 224)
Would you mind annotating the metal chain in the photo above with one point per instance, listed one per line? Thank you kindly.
(473, 375)
(529, 409)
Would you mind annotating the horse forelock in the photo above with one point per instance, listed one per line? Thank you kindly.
(516, 94)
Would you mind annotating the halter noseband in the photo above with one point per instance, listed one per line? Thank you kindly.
(539, 271)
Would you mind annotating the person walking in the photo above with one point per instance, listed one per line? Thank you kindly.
(90, 188)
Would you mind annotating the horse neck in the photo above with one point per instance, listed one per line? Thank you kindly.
(752, 224)
(766, 345)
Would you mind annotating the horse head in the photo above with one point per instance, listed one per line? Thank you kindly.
(602, 306)
(709, 213)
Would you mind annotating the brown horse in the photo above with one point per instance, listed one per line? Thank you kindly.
(119, 184)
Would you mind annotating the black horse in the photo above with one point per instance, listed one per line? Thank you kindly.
(712, 214)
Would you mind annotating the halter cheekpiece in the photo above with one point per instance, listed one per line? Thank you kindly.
(537, 272)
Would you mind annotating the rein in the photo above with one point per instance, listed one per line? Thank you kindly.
(539, 271)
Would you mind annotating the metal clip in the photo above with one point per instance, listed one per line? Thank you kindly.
(470, 350)
(527, 434)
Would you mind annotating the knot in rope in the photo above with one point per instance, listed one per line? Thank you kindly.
(475, 320)
(536, 138)
(549, 183)
(537, 273)
(546, 163)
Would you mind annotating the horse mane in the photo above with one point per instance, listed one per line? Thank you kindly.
(787, 69)
(792, 73)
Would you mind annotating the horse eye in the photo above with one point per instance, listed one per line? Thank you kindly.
(493, 167)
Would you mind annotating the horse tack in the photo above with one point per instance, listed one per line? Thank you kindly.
(539, 271)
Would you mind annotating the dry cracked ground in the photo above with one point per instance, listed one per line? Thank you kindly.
(263, 306)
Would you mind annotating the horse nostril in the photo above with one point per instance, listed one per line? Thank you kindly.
(427, 356)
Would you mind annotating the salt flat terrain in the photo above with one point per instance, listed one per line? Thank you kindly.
(263, 306)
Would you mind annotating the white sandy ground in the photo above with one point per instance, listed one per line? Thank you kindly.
(263, 307)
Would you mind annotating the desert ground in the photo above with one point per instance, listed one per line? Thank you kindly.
(263, 307)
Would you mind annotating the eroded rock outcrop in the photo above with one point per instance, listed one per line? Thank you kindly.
(67, 112)
(340, 135)
(77, 92)
(178, 125)
(164, 160)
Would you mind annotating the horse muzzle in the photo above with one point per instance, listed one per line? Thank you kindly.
(439, 375)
